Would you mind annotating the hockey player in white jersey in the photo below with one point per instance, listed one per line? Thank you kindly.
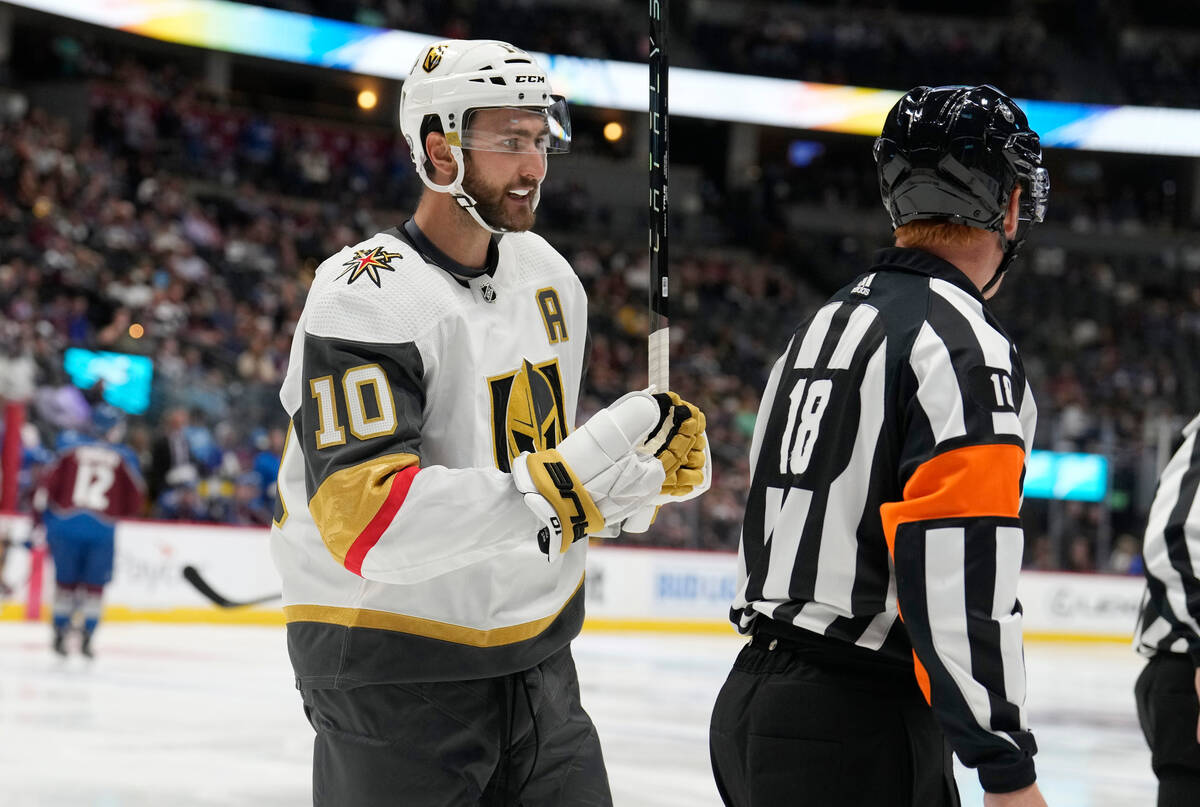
(433, 494)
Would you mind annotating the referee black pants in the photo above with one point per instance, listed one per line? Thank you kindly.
(1168, 709)
(795, 725)
(520, 740)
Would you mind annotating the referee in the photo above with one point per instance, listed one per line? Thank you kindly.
(881, 542)
(1168, 690)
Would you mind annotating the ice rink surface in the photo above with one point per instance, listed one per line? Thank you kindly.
(207, 716)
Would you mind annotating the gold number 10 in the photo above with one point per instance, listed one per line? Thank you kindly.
(354, 380)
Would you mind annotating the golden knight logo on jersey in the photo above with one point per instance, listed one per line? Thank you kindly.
(528, 411)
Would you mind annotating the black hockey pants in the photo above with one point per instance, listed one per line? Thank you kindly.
(520, 740)
(795, 726)
(1168, 708)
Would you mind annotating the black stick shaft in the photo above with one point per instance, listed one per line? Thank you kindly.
(193, 576)
(659, 181)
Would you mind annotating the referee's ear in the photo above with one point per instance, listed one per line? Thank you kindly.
(1012, 215)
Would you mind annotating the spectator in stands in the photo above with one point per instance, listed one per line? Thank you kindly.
(183, 503)
(246, 507)
(172, 464)
(266, 464)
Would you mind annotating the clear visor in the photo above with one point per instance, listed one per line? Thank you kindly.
(1039, 195)
(519, 130)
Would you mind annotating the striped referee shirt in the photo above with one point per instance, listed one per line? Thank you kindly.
(1170, 618)
(887, 466)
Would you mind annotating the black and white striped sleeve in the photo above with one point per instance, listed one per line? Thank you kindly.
(956, 537)
(1172, 554)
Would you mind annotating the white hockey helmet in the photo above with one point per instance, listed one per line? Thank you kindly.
(453, 78)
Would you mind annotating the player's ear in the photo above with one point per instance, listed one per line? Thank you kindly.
(440, 157)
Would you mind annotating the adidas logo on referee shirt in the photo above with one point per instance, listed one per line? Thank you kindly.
(863, 288)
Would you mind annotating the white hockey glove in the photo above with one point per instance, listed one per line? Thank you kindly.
(595, 476)
(678, 441)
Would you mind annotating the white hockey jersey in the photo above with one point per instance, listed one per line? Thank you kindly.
(405, 550)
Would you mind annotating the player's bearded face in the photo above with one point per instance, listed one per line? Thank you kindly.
(508, 202)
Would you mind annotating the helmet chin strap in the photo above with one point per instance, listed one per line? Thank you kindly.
(1000, 270)
(456, 191)
(467, 203)
(465, 200)
(1010, 252)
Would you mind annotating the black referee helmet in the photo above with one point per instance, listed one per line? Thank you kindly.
(956, 153)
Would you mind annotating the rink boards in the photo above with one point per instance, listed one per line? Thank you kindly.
(627, 588)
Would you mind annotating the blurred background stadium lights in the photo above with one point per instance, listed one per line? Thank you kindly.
(306, 39)
(367, 99)
(180, 169)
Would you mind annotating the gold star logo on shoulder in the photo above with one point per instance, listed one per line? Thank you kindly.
(368, 262)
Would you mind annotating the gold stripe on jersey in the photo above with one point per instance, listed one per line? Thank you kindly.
(283, 511)
(347, 501)
(419, 626)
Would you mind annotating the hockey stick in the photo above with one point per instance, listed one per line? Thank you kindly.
(192, 575)
(659, 337)
(659, 333)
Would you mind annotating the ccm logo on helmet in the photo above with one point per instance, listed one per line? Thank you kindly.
(530, 79)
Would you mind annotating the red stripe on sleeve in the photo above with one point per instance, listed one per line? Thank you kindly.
(401, 482)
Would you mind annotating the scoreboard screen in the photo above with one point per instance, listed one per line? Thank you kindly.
(1063, 475)
(126, 377)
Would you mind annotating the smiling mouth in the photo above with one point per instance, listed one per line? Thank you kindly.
(520, 194)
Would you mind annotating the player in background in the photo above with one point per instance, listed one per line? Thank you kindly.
(93, 482)
(881, 543)
(5, 545)
(435, 501)
(1168, 633)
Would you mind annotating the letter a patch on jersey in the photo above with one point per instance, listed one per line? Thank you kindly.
(528, 413)
(552, 315)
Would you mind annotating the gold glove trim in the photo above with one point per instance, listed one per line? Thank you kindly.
(555, 480)
(683, 454)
